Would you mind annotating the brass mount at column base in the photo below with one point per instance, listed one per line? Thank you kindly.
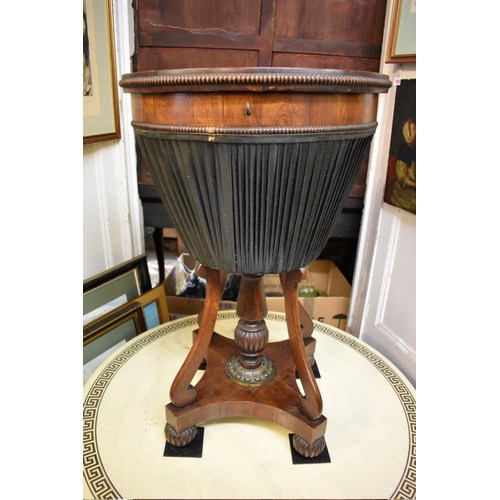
(251, 377)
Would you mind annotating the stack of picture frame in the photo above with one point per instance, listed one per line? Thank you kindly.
(119, 304)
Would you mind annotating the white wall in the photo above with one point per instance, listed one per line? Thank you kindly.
(112, 214)
(383, 301)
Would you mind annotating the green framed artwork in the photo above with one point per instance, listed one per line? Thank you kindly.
(118, 304)
(154, 306)
(111, 321)
(115, 287)
(100, 100)
(402, 41)
(106, 334)
(102, 336)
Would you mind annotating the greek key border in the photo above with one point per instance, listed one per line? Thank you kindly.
(407, 487)
(94, 471)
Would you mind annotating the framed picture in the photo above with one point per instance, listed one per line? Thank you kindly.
(112, 320)
(154, 307)
(115, 287)
(105, 335)
(100, 100)
(401, 181)
(402, 41)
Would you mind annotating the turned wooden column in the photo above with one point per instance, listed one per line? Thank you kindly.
(251, 336)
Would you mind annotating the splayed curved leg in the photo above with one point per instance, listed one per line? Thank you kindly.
(182, 393)
(311, 405)
(306, 324)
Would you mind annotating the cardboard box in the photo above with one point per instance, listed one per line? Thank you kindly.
(324, 276)
(185, 306)
(183, 267)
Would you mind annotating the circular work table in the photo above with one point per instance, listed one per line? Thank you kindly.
(370, 438)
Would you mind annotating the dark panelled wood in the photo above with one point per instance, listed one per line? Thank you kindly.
(208, 17)
(281, 59)
(201, 40)
(336, 20)
(349, 49)
(188, 57)
(266, 35)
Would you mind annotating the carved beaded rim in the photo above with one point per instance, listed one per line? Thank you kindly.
(355, 81)
(187, 129)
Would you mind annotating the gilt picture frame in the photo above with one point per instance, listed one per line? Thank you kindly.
(154, 306)
(112, 320)
(101, 120)
(402, 41)
(105, 335)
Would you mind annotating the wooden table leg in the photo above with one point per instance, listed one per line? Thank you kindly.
(311, 405)
(182, 393)
(248, 376)
(160, 252)
(306, 324)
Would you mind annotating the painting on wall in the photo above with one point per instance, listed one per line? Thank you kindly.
(100, 100)
(402, 42)
(401, 182)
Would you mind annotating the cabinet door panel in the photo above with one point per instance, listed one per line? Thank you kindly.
(290, 59)
(346, 20)
(186, 57)
(200, 17)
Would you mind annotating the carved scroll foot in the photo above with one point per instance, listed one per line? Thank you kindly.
(302, 447)
(182, 438)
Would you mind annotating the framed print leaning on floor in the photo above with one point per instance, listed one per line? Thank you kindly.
(105, 335)
(100, 100)
(115, 287)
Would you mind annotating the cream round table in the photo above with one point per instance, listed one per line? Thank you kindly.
(370, 436)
